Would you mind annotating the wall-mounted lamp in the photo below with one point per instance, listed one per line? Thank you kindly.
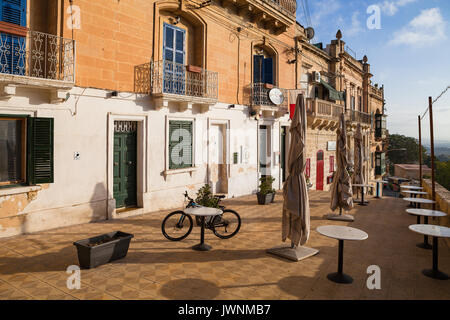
(292, 61)
(177, 20)
(231, 106)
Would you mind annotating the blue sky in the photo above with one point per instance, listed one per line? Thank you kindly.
(410, 54)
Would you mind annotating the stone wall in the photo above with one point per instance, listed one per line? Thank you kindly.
(442, 202)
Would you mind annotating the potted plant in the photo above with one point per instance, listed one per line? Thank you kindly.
(308, 183)
(102, 249)
(266, 193)
(205, 198)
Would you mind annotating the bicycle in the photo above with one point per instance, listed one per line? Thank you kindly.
(177, 225)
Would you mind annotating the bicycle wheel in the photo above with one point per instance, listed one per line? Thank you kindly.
(177, 226)
(226, 225)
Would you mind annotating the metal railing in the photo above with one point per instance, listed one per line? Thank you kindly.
(358, 116)
(323, 108)
(166, 77)
(260, 96)
(38, 55)
(288, 7)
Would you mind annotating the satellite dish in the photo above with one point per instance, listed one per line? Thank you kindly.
(310, 33)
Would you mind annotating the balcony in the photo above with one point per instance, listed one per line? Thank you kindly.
(323, 114)
(261, 103)
(39, 60)
(380, 127)
(273, 15)
(354, 117)
(174, 83)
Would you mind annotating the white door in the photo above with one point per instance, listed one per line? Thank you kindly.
(218, 172)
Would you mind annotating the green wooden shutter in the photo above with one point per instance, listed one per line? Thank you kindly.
(176, 125)
(40, 138)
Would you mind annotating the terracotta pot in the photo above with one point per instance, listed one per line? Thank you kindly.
(195, 69)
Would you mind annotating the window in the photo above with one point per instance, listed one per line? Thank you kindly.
(308, 168)
(13, 47)
(174, 59)
(13, 146)
(331, 164)
(180, 144)
(14, 11)
(27, 150)
(263, 69)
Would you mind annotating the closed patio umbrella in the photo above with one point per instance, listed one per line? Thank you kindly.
(359, 155)
(295, 217)
(341, 189)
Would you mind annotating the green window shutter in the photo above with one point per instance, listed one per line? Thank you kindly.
(40, 151)
(177, 125)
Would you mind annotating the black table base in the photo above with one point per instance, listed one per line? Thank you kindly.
(435, 273)
(340, 277)
(202, 246)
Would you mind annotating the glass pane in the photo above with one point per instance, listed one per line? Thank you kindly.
(179, 58)
(180, 41)
(168, 55)
(11, 147)
(169, 37)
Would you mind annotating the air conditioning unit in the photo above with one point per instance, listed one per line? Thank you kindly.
(315, 77)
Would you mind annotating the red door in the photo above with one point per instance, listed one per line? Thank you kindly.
(319, 172)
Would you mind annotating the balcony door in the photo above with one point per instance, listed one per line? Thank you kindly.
(13, 47)
(174, 56)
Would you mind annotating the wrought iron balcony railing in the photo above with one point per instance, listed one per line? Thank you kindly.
(166, 77)
(358, 116)
(260, 96)
(289, 7)
(38, 55)
(323, 108)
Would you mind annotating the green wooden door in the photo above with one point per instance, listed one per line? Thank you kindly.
(125, 155)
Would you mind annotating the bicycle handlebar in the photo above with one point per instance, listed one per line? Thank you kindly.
(185, 194)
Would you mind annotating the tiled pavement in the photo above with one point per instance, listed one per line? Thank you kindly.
(33, 266)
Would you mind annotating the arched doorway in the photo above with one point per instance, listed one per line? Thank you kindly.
(319, 170)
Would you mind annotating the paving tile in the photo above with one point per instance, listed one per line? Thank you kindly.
(34, 266)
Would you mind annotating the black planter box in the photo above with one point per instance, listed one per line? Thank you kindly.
(273, 198)
(265, 198)
(94, 256)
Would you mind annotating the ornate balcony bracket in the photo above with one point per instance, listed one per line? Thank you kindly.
(58, 96)
(7, 91)
(182, 103)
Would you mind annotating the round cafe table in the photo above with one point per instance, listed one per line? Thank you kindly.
(203, 212)
(362, 186)
(414, 194)
(418, 201)
(435, 232)
(341, 233)
(379, 182)
(411, 187)
(426, 214)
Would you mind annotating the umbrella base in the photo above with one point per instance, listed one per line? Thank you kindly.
(294, 254)
(435, 274)
(340, 277)
(340, 217)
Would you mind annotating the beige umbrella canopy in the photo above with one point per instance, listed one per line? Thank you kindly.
(359, 174)
(341, 189)
(296, 219)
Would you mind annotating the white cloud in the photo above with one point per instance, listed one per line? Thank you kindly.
(426, 29)
(323, 9)
(355, 26)
(391, 7)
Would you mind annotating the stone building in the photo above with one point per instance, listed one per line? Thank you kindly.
(114, 108)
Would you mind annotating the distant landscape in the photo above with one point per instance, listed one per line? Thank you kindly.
(441, 150)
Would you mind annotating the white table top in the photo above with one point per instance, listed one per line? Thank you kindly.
(203, 211)
(379, 181)
(419, 200)
(411, 187)
(342, 233)
(426, 212)
(362, 185)
(414, 192)
(431, 230)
